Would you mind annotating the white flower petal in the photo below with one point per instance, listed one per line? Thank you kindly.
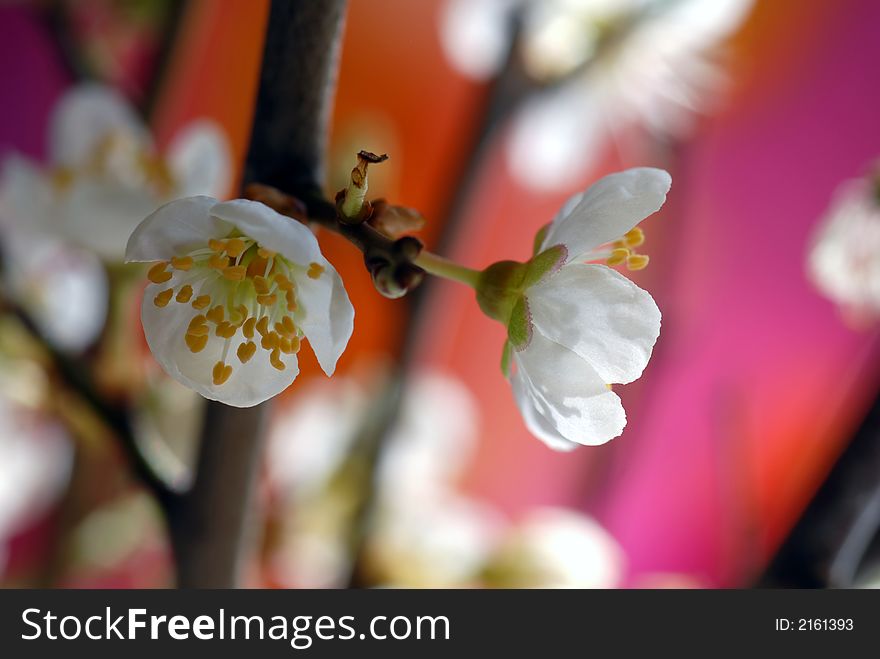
(569, 393)
(284, 235)
(175, 229)
(433, 439)
(328, 320)
(200, 160)
(600, 315)
(249, 384)
(843, 260)
(537, 423)
(101, 216)
(87, 115)
(475, 35)
(64, 288)
(555, 137)
(24, 196)
(608, 209)
(559, 548)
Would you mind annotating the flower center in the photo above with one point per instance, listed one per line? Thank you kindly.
(623, 251)
(242, 292)
(123, 159)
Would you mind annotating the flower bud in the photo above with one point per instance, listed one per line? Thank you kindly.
(353, 204)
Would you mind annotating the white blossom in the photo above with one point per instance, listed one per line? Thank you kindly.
(423, 531)
(844, 257)
(575, 325)
(556, 548)
(621, 63)
(36, 454)
(234, 288)
(105, 174)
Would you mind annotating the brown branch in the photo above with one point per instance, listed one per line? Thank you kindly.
(75, 377)
(210, 528)
(391, 263)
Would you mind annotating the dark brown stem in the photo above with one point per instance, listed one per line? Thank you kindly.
(211, 527)
(75, 377)
(837, 539)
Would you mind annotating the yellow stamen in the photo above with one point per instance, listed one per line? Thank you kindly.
(269, 341)
(634, 237)
(62, 178)
(163, 298)
(202, 302)
(267, 300)
(221, 373)
(235, 273)
(225, 330)
(246, 351)
(158, 273)
(218, 262)
(315, 270)
(198, 326)
(235, 247)
(248, 329)
(215, 315)
(618, 256)
(184, 294)
(291, 300)
(196, 343)
(275, 359)
(182, 263)
(266, 253)
(289, 346)
(637, 261)
(217, 245)
(287, 324)
(261, 285)
(263, 325)
(283, 282)
(201, 330)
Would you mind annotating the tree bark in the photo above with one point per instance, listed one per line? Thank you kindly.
(212, 524)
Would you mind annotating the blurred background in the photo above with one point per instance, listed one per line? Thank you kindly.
(493, 112)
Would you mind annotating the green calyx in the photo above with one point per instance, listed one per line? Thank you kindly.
(501, 294)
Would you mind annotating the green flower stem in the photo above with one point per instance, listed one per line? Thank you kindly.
(443, 267)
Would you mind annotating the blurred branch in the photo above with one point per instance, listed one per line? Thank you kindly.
(170, 29)
(833, 541)
(74, 376)
(210, 528)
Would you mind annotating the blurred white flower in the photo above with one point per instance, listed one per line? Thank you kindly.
(475, 34)
(311, 461)
(575, 325)
(313, 433)
(105, 175)
(622, 63)
(556, 548)
(63, 288)
(35, 456)
(423, 534)
(433, 441)
(443, 542)
(844, 258)
(226, 272)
